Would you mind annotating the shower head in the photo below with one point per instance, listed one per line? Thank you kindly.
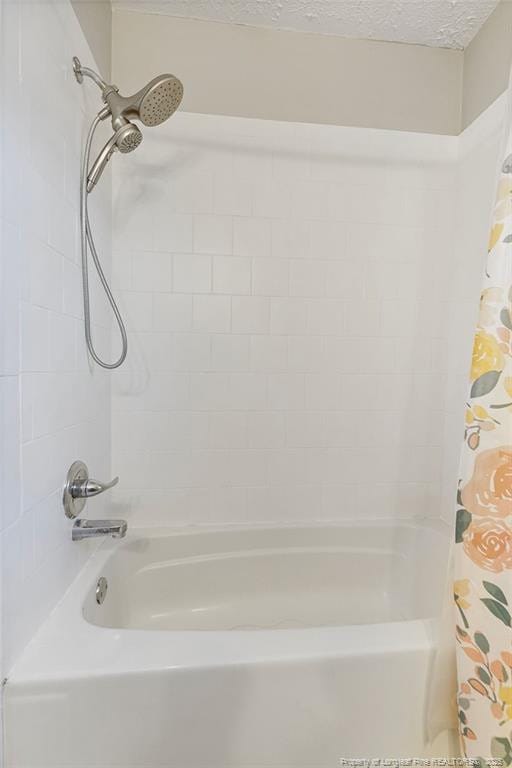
(125, 139)
(159, 99)
(152, 105)
(128, 138)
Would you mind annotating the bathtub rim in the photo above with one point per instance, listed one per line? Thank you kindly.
(67, 645)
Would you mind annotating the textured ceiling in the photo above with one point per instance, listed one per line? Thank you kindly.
(439, 23)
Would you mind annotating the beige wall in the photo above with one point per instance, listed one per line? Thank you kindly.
(235, 70)
(487, 62)
(281, 75)
(95, 17)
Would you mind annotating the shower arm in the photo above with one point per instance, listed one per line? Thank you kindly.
(105, 88)
(81, 72)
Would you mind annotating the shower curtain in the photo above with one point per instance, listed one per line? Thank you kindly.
(483, 531)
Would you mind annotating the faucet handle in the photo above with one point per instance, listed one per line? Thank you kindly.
(79, 487)
(85, 488)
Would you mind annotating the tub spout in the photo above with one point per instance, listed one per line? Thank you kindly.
(88, 529)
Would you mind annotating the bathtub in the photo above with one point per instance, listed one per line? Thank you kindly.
(235, 648)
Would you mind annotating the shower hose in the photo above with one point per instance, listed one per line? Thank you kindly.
(86, 243)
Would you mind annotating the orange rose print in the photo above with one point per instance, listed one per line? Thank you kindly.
(489, 492)
(489, 545)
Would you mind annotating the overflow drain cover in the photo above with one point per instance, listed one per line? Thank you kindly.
(101, 590)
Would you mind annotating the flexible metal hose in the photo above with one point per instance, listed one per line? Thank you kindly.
(87, 240)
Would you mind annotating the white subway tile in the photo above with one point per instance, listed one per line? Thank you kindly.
(12, 280)
(228, 430)
(329, 240)
(10, 470)
(307, 278)
(266, 430)
(35, 328)
(305, 353)
(192, 273)
(192, 351)
(172, 312)
(342, 429)
(325, 317)
(270, 277)
(322, 391)
(231, 196)
(368, 355)
(344, 279)
(247, 392)
(72, 289)
(375, 392)
(340, 502)
(193, 193)
(231, 275)
(305, 430)
(291, 239)
(292, 160)
(286, 391)
(288, 316)
(310, 199)
(384, 282)
(210, 391)
(362, 317)
(160, 392)
(62, 227)
(151, 271)
(212, 314)
(213, 234)
(250, 314)
(269, 353)
(271, 199)
(174, 233)
(248, 467)
(251, 237)
(138, 310)
(230, 352)
(46, 281)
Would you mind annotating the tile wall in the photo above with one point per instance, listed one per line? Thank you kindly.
(54, 408)
(288, 289)
(299, 299)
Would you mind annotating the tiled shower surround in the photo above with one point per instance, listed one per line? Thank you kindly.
(54, 407)
(300, 302)
(289, 291)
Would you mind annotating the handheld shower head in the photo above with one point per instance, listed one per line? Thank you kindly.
(128, 138)
(153, 104)
(125, 139)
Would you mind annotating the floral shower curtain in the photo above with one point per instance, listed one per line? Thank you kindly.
(483, 549)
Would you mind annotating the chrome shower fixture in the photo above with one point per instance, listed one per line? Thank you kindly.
(126, 139)
(152, 105)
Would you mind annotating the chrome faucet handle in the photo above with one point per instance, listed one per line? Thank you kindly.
(79, 487)
(85, 488)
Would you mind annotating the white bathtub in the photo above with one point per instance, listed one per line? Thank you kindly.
(235, 648)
